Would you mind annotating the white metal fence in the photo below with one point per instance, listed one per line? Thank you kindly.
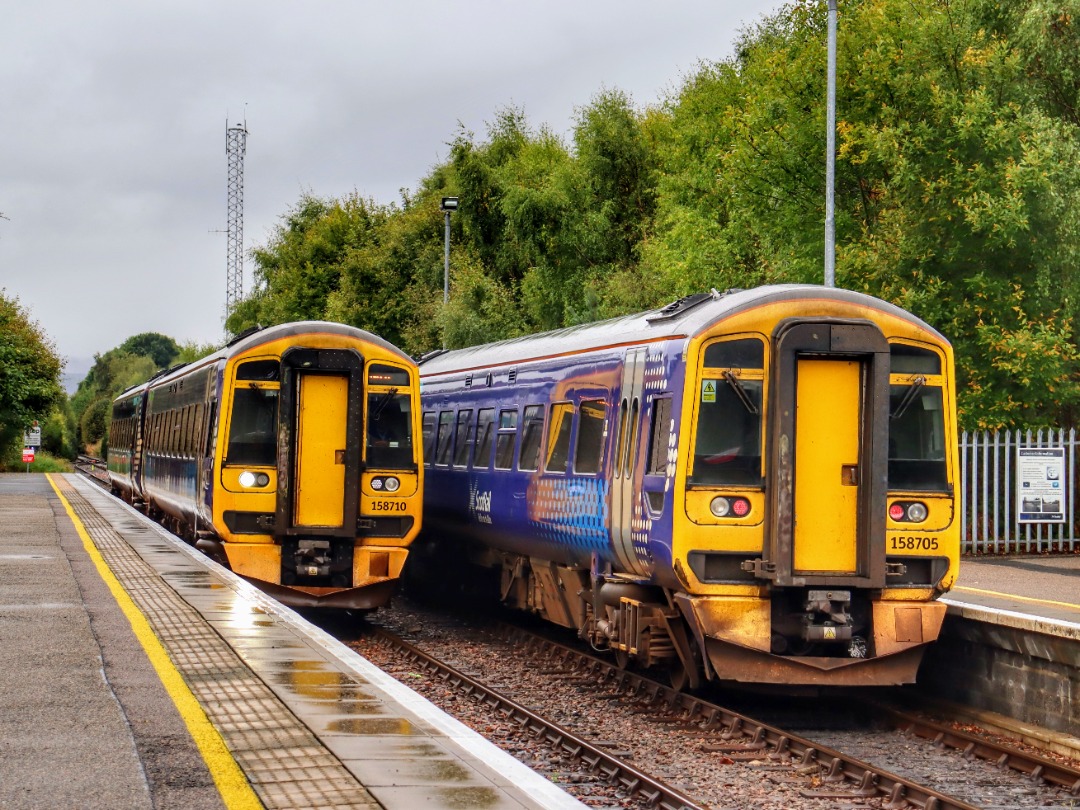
(988, 498)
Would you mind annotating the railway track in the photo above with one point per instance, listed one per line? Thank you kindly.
(93, 469)
(716, 741)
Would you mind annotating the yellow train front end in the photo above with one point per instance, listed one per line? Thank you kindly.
(817, 481)
(317, 485)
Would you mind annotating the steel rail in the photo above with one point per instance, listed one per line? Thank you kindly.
(652, 791)
(846, 776)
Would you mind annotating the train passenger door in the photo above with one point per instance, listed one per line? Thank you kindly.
(827, 429)
(319, 442)
(828, 450)
(624, 493)
(322, 404)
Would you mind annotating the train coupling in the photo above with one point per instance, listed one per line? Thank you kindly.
(826, 617)
(313, 558)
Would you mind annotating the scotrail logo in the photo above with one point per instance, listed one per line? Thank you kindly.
(481, 506)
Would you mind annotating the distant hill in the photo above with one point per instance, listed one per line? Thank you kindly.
(75, 372)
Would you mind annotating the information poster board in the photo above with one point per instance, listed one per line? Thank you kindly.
(1040, 485)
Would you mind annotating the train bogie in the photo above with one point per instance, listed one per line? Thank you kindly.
(753, 486)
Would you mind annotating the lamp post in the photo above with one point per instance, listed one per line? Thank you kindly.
(830, 155)
(448, 204)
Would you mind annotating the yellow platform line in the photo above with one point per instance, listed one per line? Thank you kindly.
(235, 790)
(1018, 598)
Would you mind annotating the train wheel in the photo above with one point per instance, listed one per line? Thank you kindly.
(679, 676)
(622, 659)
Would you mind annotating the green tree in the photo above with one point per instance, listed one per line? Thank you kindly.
(29, 374)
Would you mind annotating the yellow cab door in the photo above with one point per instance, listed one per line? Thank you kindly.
(827, 430)
(321, 425)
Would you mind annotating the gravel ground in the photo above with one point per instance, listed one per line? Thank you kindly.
(684, 760)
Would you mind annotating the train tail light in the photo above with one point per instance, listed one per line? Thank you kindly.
(908, 512)
(722, 506)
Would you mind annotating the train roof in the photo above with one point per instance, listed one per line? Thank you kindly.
(682, 319)
(259, 335)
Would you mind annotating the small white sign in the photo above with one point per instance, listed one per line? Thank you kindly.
(1040, 485)
(32, 437)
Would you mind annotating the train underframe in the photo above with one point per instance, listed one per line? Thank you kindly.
(800, 636)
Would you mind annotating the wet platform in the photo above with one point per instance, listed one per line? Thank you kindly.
(136, 673)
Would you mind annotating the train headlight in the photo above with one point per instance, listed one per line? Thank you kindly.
(908, 512)
(721, 507)
(251, 480)
(376, 483)
(392, 484)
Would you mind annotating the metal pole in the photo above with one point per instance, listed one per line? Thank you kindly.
(830, 156)
(446, 262)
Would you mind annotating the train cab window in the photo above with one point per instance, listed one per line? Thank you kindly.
(253, 427)
(558, 452)
(592, 428)
(504, 441)
(659, 435)
(463, 442)
(429, 436)
(916, 420)
(727, 443)
(264, 370)
(485, 430)
(443, 441)
(389, 430)
(532, 432)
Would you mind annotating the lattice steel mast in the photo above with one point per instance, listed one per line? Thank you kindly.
(235, 147)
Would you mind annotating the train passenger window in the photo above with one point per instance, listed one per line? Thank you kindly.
(389, 430)
(265, 370)
(659, 436)
(504, 442)
(558, 452)
(429, 436)
(485, 428)
(253, 427)
(917, 437)
(379, 374)
(464, 441)
(592, 428)
(532, 431)
(444, 441)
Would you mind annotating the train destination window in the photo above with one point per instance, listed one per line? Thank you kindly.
(463, 442)
(659, 435)
(444, 441)
(727, 444)
(485, 428)
(916, 421)
(253, 427)
(592, 427)
(389, 430)
(504, 442)
(532, 431)
(265, 370)
(558, 452)
(379, 374)
(429, 436)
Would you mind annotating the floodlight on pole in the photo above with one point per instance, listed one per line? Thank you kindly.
(448, 204)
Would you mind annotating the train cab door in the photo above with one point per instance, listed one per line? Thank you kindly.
(829, 437)
(624, 493)
(321, 430)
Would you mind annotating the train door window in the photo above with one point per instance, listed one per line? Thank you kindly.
(464, 441)
(485, 429)
(504, 441)
(631, 439)
(727, 435)
(558, 451)
(592, 428)
(389, 430)
(659, 436)
(621, 438)
(532, 432)
(444, 440)
(253, 426)
(916, 420)
(429, 436)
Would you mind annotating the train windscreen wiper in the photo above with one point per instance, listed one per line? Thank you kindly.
(380, 406)
(740, 392)
(908, 398)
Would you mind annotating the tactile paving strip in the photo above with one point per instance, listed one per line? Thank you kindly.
(264, 736)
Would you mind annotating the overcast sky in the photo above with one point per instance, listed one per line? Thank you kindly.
(113, 116)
